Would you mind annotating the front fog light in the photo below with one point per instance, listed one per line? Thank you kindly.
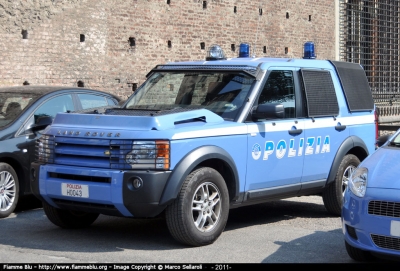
(358, 182)
(137, 183)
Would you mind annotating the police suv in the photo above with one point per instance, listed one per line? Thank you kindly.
(198, 138)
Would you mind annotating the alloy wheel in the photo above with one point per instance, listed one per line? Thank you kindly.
(7, 190)
(206, 207)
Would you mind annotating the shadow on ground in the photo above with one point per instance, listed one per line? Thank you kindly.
(303, 249)
(27, 203)
(108, 233)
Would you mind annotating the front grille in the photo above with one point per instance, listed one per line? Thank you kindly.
(83, 178)
(386, 242)
(103, 153)
(384, 208)
(105, 209)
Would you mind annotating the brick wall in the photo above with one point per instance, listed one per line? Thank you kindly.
(112, 44)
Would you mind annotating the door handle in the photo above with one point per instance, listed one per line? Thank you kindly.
(295, 131)
(340, 127)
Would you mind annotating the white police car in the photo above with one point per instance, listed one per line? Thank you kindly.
(198, 138)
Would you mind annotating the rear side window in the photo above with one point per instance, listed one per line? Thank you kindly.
(91, 101)
(355, 85)
(320, 93)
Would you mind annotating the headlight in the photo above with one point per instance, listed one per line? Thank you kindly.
(44, 149)
(358, 182)
(149, 155)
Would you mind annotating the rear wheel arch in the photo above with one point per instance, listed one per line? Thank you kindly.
(359, 151)
(349, 155)
(205, 156)
(352, 145)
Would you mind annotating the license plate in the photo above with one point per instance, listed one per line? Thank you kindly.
(75, 190)
(395, 228)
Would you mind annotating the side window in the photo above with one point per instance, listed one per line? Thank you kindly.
(320, 90)
(111, 101)
(279, 88)
(91, 101)
(53, 106)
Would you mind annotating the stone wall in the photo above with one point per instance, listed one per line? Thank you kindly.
(112, 44)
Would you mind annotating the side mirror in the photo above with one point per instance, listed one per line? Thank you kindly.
(268, 111)
(382, 140)
(42, 123)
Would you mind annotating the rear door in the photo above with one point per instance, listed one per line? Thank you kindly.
(324, 132)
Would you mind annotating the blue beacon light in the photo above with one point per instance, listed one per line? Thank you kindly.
(309, 51)
(244, 50)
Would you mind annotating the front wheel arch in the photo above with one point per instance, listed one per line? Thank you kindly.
(198, 216)
(205, 156)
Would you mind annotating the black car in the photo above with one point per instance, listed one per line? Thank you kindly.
(21, 109)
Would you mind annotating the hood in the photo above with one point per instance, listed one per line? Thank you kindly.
(150, 121)
(383, 168)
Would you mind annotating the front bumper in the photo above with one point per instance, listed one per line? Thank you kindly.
(110, 192)
(374, 228)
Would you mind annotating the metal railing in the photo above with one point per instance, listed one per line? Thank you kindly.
(369, 35)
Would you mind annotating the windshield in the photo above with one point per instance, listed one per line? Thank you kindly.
(395, 141)
(12, 104)
(224, 93)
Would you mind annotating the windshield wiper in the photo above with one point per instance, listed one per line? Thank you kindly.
(139, 109)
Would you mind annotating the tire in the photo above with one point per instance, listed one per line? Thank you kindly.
(358, 254)
(195, 218)
(9, 190)
(333, 193)
(69, 219)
